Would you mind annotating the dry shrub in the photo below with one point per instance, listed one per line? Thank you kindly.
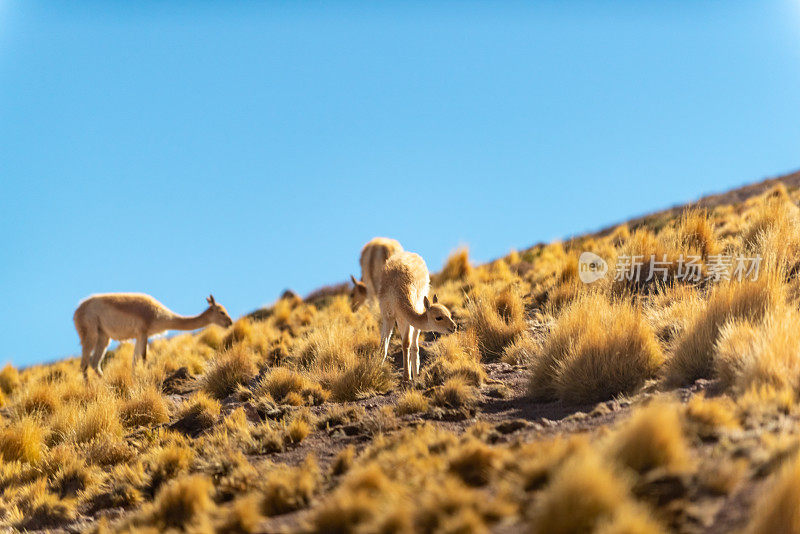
(166, 463)
(598, 348)
(89, 422)
(72, 478)
(411, 402)
(497, 319)
(766, 353)
(776, 510)
(287, 386)
(241, 332)
(35, 508)
(290, 488)
(455, 393)
(298, 429)
(230, 369)
(535, 463)
(707, 417)
(145, 408)
(106, 450)
(343, 461)
(212, 336)
(474, 462)
(343, 357)
(39, 399)
(748, 301)
(243, 517)
(522, 350)
(653, 438)
(9, 379)
(583, 495)
(454, 356)
(696, 233)
(199, 412)
(22, 441)
(184, 503)
(457, 266)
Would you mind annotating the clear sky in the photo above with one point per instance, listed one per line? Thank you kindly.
(179, 148)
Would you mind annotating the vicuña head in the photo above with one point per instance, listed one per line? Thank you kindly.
(218, 314)
(438, 317)
(358, 295)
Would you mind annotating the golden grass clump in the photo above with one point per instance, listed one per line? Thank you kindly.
(693, 356)
(230, 369)
(652, 438)
(455, 393)
(9, 379)
(696, 233)
(290, 488)
(199, 412)
(457, 266)
(454, 356)
(184, 503)
(243, 516)
(598, 348)
(22, 440)
(584, 494)
(521, 351)
(497, 319)
(766, 353)
(776, 510)
(410, 402)
(474, 462)
(298, 429)
(708, 417)
(39, 399)
(146, 407)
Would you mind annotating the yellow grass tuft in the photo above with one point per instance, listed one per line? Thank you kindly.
(146, 407)
(748, 301)
(22, 441)
(776, 510)
(497, 319)
(411, 402)
(455, 393)
(598, 348)
(457, 266)
(290, 488)
(230, 369)
(454, 356)
(9, 379)
(653, 438)
(184, 503)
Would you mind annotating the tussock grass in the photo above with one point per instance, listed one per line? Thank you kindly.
(290, 488)
(749, 301)
(455, 393)
(653, 438)
(585, 494)
(598, 348)
(146, 407)
(22, 440)
(457, 266)
(497, 319)
(411, 402)
(184, 503)
(230, 369)
(199, 412)
(9, 379)
(454, 356)
(776, 510)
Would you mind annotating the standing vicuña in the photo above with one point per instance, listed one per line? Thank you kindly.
(122, 316)
(403, 297)
(373, 258)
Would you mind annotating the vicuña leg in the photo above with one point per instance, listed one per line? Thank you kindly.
(100, 352)
(414, 353)
(88, 343)
(405, 332)
(387, 324)
(139, 350)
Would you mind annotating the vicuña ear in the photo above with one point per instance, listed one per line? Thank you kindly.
(435, 299)
(353, 278)
(211, 300)
(426, 302)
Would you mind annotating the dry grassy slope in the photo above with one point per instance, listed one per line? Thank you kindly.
(557, 407)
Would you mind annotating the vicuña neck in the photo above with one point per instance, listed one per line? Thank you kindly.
(416, 319)
(194, 322)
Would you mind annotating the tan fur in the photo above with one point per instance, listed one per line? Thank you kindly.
(121, 316)
(403, 297)
(373, 258)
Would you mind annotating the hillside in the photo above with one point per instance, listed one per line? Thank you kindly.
(649, 402)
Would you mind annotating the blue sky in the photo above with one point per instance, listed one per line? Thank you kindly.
(241, 148)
